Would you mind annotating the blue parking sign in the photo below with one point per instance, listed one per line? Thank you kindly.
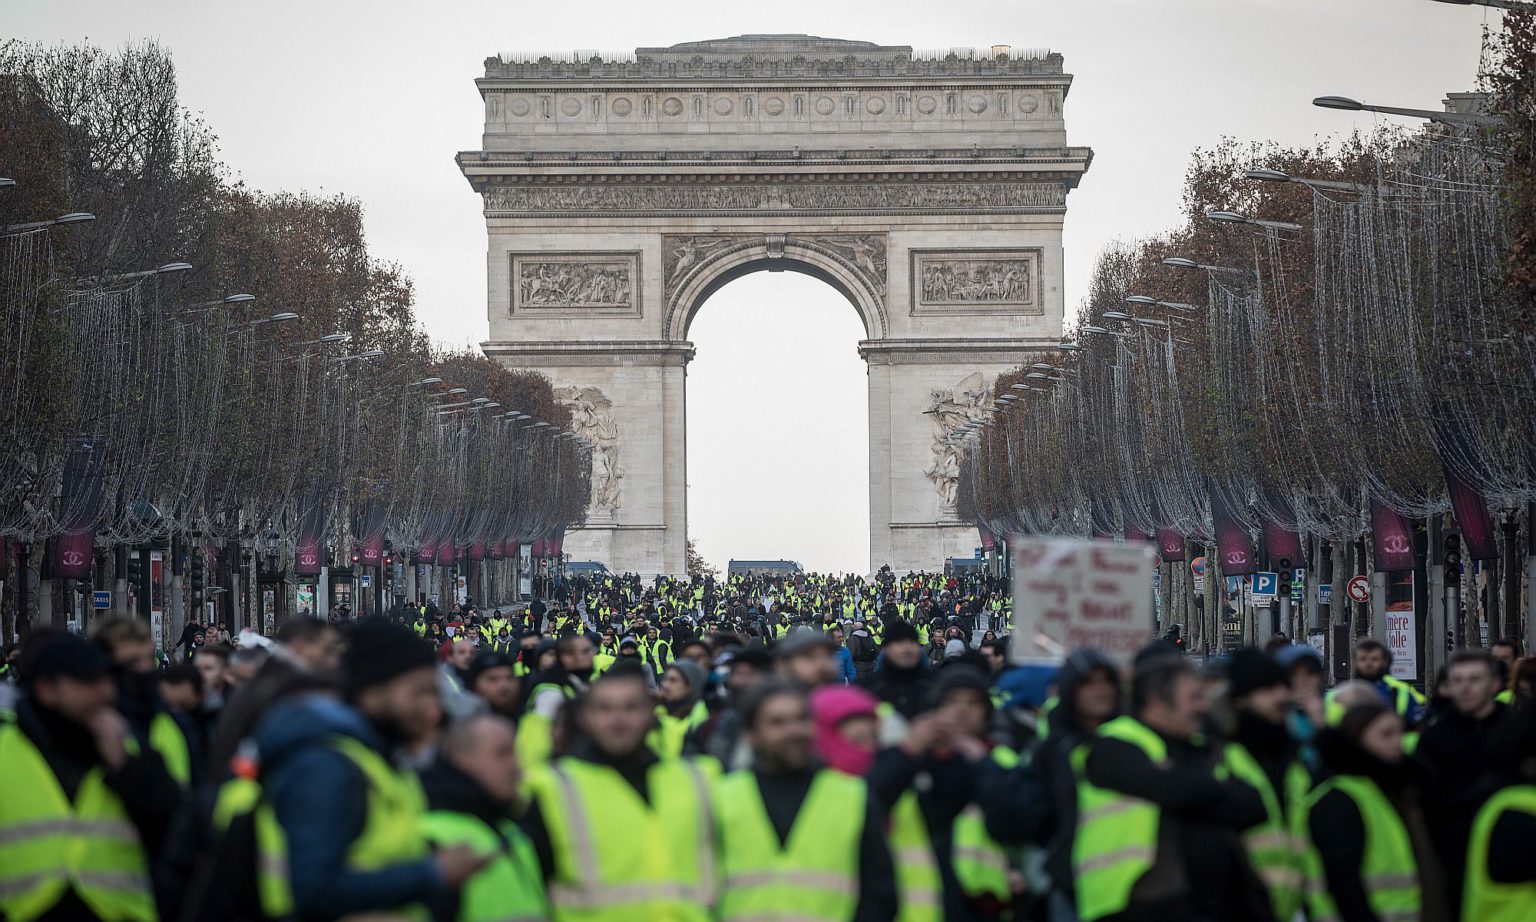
(1265, 584)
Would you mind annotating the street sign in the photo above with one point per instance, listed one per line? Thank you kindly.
(980, 553)
(1264, 585)
(101, 600)
(1325, 593)
(1298, 584)
(367, 580)
(1358, 589)
(1197, 566)
(1157, 579)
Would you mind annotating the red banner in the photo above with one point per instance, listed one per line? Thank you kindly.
(1472, 518)
(428, 551)
(1234, 549)
(1391, 539)
(1170, 544)
(79, 505)
(447, 552)
(309, 557)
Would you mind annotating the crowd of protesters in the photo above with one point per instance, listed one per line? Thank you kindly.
(806, 747)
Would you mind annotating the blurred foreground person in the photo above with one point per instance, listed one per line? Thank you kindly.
(471, 793)
(83, 807)
(793, 833)
(1157, 830)
(621, 833)
(1369, 857)
(1500, 880)
(351, 816)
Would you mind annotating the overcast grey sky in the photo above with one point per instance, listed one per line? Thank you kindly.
(373, 99)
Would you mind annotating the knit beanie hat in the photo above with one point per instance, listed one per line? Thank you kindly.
(378, 651)
(955, 647)
(691, 671)
(1251, 670)
(900, 630)
(957, 677)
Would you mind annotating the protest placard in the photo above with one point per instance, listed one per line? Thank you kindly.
(1070, 593)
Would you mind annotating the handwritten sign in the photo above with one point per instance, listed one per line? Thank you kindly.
(1070, 593)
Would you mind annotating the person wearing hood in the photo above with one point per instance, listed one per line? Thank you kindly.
(901, 678)
(1088, 695)
(632, 650)
(350, 815)
(682, 709)
(68, 760)
(1369, 857)
(471, 793)
(128, 644)
(1263, 755)
(794, 833)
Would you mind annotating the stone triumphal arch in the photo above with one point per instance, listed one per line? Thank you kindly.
(620, 191)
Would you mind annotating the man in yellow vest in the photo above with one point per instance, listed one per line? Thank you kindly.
(471, 793)
(129, 645)
(1157, 830)
(1262, 754)
(1373, 664)
(620, 833)
(83, 808)
(351, 816)
(794, 834)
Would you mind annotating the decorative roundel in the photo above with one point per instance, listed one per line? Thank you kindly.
(1028, 102)
(773, 105)
(825, 105)
(570, 105)
(977, 104)
(622, 106)
(672, 106)
(519, 106)
(723, 105)
(875, 105)
(926, 104)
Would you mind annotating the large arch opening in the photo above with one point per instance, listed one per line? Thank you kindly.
(778, 421)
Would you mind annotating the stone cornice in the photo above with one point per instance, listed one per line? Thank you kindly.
(976, 351)
(473, 162)
(589, 352)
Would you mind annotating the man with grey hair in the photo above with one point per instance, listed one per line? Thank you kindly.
(470, 796)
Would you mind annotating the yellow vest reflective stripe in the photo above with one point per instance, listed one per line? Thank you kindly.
(917, 870)
(49, 846)
(239, 796)
(510, 888)
(392, 832)
(647, 861)
(1486, 900)
(166, 738)
(814, 875)
(1273, 847)
(981, 865)
(1388, 871)
(1116, 841)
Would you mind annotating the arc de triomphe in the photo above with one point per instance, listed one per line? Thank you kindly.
(929, 189)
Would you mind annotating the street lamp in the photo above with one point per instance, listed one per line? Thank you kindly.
(1519, 6)
(327, 339)
(74, 217)
(1180, 262)
(1446, 118)
(6, 182)
(426, 381)
(1146, 301)
(1232, 217)
(283, 317)
(1265, 174)
(370, 354)
(1069, 347)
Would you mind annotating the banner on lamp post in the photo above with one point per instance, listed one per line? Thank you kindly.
(309, 555)
(1471, 517)
(372, 552)
(79, 505)
(1170, 544)
(1391, 539)
(1234, 549)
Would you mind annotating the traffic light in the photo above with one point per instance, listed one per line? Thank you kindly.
(1453, 559)
(1283, 574)
(195, 568)
(135, 568)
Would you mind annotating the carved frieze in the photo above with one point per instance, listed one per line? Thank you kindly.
(975, 281)
(580, 284)
(592, 419)
(970, 197)
(950, 408)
